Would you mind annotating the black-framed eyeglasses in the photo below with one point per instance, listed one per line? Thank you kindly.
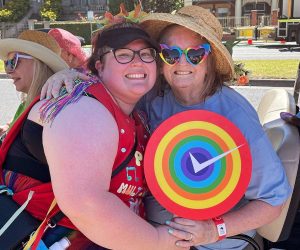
(125, 55)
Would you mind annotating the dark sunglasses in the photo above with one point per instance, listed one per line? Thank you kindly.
(126, 55)
(11, 64)
(172, 54)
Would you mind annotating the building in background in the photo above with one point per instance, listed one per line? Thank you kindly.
(75, 7)
(238, 8)
(277, 19)
(71, 8)
(220, 8)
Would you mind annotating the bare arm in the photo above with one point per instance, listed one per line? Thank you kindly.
(80, 147)
(253, 215)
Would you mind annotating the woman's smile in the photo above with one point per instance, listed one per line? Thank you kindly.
(136, 76)
(177, 72)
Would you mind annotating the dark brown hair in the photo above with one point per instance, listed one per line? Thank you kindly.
(97, 51)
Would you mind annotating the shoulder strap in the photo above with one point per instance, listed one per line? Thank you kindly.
(13, 132)
(99, 92)
(126, 161)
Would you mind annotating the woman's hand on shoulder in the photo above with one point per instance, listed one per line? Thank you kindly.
(192, 232)
(64, 77)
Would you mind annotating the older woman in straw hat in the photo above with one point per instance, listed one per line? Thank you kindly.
(91, 153)
(70, 51)
(195, 80)
(30, 60)
(194, 67)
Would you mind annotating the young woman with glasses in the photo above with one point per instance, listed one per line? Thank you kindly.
(92, 150)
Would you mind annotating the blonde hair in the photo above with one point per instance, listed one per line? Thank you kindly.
(41, 72)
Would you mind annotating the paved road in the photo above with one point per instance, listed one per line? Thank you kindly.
(262, 53)
(9, 98)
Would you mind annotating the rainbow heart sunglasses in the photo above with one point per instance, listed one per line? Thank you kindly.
(172, 54)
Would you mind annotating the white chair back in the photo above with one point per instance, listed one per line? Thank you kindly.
(273, 102)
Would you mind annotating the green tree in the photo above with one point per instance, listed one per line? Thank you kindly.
(51, 10)
(114, 5)
(166, 6)
(14, 11)
(5, 15)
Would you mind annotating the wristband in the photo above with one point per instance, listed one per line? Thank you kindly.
(221, 227)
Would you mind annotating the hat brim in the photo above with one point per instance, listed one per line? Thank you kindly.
(119, 38)
(155, 23)
(117, 44)
(54, 61)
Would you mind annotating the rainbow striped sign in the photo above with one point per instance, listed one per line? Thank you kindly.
(198, 164)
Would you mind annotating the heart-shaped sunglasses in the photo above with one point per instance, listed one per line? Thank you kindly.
(172, 54)
(11, 64)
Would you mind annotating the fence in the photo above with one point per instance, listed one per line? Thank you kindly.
(11, 30)
(233, 22)
(264, 20)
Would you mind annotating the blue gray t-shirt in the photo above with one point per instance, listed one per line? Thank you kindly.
(268, 181)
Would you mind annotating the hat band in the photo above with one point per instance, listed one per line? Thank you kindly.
(109, 37)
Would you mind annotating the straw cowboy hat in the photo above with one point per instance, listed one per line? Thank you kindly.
(37, 44)
(200, 21)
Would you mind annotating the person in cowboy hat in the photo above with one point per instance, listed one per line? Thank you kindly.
(70, 51)
(80, 152)
(195, 66)
(30, 60)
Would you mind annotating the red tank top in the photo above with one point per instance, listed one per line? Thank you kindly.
(129, 185)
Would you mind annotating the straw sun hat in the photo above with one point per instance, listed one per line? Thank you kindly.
(37, 44)
(200, 21)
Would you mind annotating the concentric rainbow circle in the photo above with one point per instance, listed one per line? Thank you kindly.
(169, 168)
